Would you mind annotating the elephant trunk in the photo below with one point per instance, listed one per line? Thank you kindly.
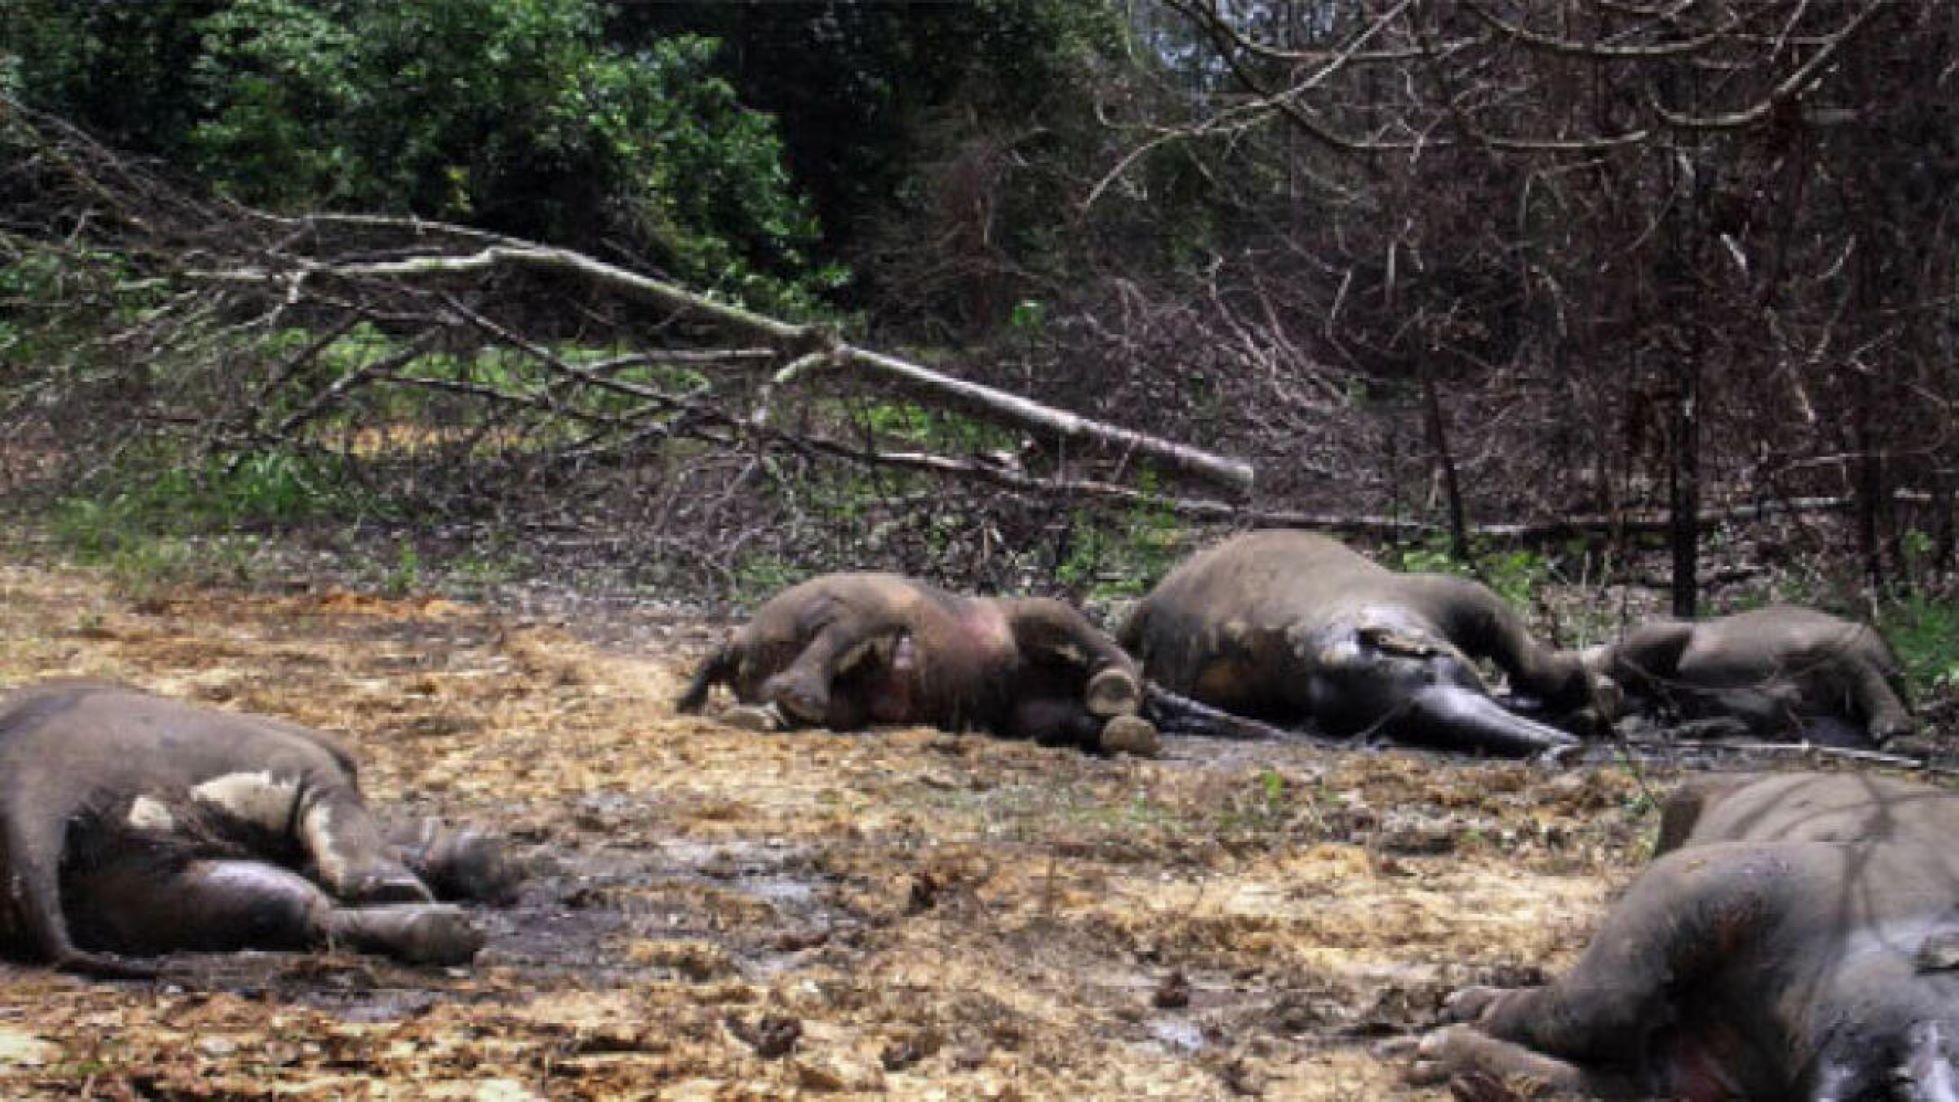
(1458, 718)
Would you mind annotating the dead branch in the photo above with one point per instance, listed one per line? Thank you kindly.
(975, 398)
(1794, 86)
(1374, 526)
(1807, 750)
(1553, 44)
(326, 399)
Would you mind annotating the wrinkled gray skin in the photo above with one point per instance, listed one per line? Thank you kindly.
(1289, 626)
(842, 651)
(1798, 937)
(132, 825)
(1783, 672)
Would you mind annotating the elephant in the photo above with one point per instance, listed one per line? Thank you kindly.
(842, 651)
(1796, 937)
(1291, 626)
(1781, 671)
(133, 826)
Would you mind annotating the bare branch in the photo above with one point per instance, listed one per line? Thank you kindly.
(976, 398)
(1795, 85)
(1597, 50)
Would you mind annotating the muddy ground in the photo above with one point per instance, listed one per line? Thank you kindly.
(716, 914)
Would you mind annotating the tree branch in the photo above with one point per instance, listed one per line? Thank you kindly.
(975, 398)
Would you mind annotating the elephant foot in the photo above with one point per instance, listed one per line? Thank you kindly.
(1477, 1066)
(383, 882)
(1470, 1004)
(1131, 735)
(1114, 693)
(418, 933)
(461, 864)
(760, 718)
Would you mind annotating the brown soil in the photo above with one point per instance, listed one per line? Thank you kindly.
(724, 915)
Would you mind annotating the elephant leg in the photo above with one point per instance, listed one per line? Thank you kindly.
(1646, 664)
(877, 682)
(1879, 704)
(1049, 633)
(418, 933)
(457, 863)
(802, 689)
(1130, 735)
(1054, 721)
(34, 887)
(1483, 625)
(328, 820)
(1682, 809)
(1691, 914)
(716, 669)
(147, 904)
(1051, 721)
(1477, 1065)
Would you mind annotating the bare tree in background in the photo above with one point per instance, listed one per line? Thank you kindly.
(1684, 257)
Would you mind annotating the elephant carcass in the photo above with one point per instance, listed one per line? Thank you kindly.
(1291, 626)
(1797, 937)
(1782, 672)
(843, 651)
(133, 825)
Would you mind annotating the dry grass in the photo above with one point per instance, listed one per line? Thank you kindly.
(928, 916)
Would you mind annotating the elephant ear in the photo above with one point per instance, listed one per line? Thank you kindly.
(1388, 640)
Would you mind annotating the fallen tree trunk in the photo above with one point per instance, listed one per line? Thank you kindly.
(797, 340)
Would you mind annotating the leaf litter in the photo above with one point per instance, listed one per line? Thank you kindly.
(715, 914)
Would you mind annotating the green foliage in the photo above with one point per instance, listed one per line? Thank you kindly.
(1273, 783)
(1123, 557)
(1028, 318)
(761, 576)
(53, 301)
(405, 577)
(1270, 810)
(515, 115)
(483, 569)
(156, 521)
(1917, 549)
(1516, 574)
(152, 499)
(920, 426)
(119, 69)
(1924, 631)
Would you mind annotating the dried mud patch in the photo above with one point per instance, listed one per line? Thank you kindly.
(714, 914)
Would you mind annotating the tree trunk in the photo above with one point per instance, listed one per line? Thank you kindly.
(1870, 490)
(1445, 462)
(1685, 486)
